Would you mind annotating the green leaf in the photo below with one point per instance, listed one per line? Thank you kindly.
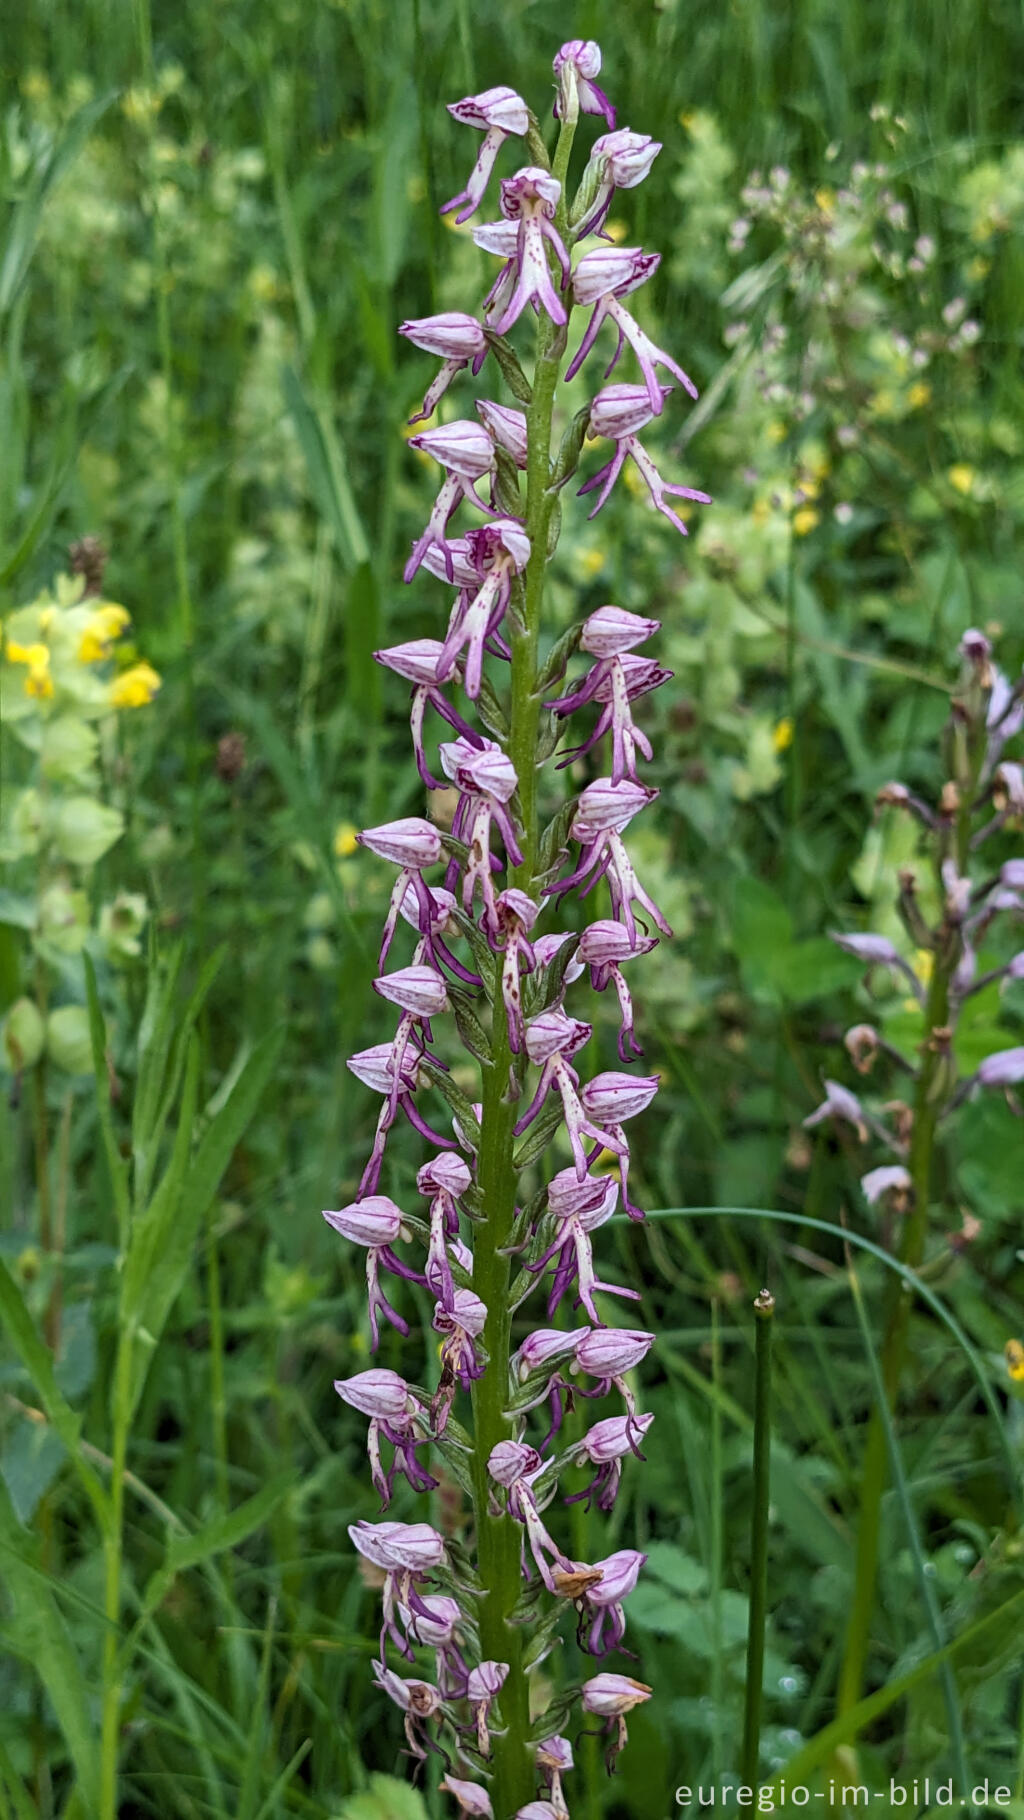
(327, 470)
(161, 1239)
(84, 829)
(762, 932)
(23, 231)
(222, 1532)
(813, 968)
(38, 1363)
(14, 1788)
(20, 912)
(38, 1634)
(69, 749)
(385, 1799)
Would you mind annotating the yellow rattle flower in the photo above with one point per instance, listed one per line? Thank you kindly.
(38, 681)
(134, 688)
(105, 626)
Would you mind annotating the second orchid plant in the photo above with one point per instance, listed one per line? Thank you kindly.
(463, 1625)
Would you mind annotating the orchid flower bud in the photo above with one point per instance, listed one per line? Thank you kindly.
(506, 427)
(553, 1033)
(381, 1394)
(611, 1098)
(612, 271)
(488, 771)
(611, 630)
(576, 65)
(604, 805)
(609, 1696)
(621, 410)
(399, 1547)
(612, 1439)
(452, 335)
(609, 1352)
(419, 990)
(410, 842)
(465, 448)
(447, 1174)
(555, 1754)
(512, 1460)
(373, 1221)
(591, 1201)
(544, 1346)
(473, 1800)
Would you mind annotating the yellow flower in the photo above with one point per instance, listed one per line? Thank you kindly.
(345, 842)
(782, 733)
(826, 201)
(38, 682)
(776, 430)
(961, 476)
(105, 626)
(616, 231)
(1014, 1354)
(805, 520)
(134, 688)
(591, 562)
(919, 394)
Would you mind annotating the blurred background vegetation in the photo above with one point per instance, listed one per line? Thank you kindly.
(213, 220)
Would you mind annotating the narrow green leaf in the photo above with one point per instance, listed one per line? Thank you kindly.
(173, 1037)
(271, 1806)
(12, 1786)
(162, 1238)
(327, 470)
(41, 1637)
(224, 1531)
(38, 1363)
(23, 232)
(258, 1727)
(159, 1247)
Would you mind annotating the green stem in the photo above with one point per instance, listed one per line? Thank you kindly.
(113, 1542)
(764, 1308)
(218, 1395)
(499, 1537)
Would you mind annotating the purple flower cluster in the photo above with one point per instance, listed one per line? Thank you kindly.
(487, 958)
(961, 949)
